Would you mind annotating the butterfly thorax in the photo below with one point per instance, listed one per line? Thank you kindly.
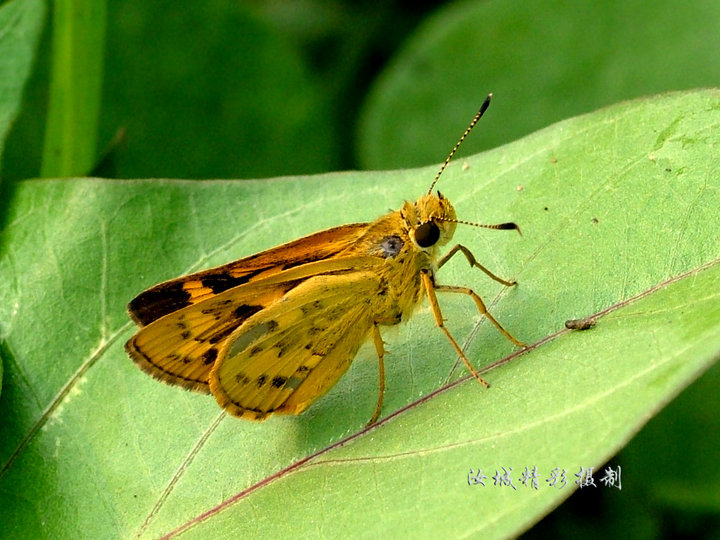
(406, 242)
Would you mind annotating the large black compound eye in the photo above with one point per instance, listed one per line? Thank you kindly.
(427, 234)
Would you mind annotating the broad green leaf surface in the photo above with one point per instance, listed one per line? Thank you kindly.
(544, 60)
(20, 24)
(619, 216)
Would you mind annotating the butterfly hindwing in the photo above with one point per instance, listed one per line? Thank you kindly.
(284, 357)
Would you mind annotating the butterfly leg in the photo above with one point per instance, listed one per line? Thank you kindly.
(380, 348)
(482, 309)
(430, 289)
(471, 259)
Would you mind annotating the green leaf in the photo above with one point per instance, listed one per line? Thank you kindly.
(544, 60)
(74, 108)
(239, 101)
(20, 25)
(619, 217)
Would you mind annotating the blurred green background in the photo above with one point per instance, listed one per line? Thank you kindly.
(228, 89)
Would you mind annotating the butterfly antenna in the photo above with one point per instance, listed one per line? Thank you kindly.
(479, 114)
(509, 226)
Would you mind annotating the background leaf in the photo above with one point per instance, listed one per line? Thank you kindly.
(545, 61)
(20, 24)
(78, 49)
(612, 205)
(206, 91)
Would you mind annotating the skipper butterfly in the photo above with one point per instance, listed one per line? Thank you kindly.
(271, 333)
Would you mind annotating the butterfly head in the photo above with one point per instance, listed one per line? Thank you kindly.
(431, 221)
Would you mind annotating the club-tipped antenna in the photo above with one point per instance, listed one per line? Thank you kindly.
(509, 226)
(479, 114)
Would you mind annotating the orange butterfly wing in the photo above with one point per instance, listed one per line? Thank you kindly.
(185, 321)
(175, 294)
(286, 356)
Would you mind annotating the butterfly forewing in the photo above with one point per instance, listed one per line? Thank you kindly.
(181, 347)
(176, 294)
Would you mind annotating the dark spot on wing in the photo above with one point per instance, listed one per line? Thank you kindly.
(261, 380)
(241, 378)
(214, 311)
(257, 349)
(218, 283)
(157, 302)
(279, 381)
(283, 346)
(223, 333)
(315, 330)
(245, 311)
(187, 334)
(209, 356)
